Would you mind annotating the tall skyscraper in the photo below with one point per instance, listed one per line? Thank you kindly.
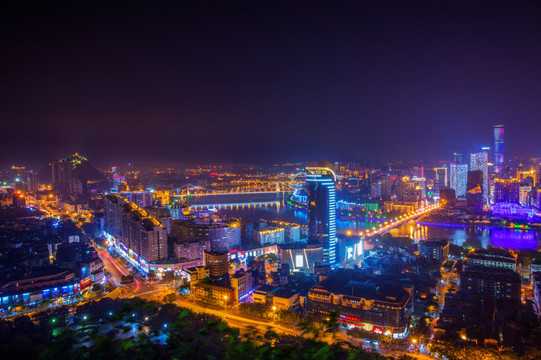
(474, 190)
(506, 190)
(61, 175)
(441, 177)
(320, 178)
(498, 149)
(479, 161)
(137, 236)
(457, 158)
(458, 179)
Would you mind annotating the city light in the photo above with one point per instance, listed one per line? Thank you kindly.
(259, 235)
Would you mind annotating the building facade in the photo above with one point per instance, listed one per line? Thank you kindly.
(321, 179)
(498, 148)
(301, 257)
(137, 236)
(435, 250)
(217, 263)
(474, 190)
(479, 161)
(506, 190)
(242, 283)
(458, 179)
(498, 284)
(190, 250)
(492, 258)
(382, 308)
(223, 233)
(269, 235)
(62, 175)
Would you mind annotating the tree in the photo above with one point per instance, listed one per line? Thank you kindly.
(169, 298)
(257, 310)
(272, 258)
(188, 336)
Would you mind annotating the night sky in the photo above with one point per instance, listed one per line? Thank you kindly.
(268, 81)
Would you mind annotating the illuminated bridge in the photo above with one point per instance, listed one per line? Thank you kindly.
(394, 223)
(196, 195)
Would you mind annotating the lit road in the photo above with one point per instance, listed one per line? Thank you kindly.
(239, 321)
(391, 224)
(116, 269)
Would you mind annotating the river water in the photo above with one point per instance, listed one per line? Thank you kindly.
(475, 236)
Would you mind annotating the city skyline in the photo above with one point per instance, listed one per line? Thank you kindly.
(268, 180)
(365, 81)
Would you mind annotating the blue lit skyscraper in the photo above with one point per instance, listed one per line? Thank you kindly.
(320, 178)
(479, 161)
(498, 149)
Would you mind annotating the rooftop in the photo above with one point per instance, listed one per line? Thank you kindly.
(284, 293)
(352, 283)
(434, 242)
(265, 289)
(494, 274)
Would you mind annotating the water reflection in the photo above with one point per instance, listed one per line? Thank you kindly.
(275, 211)
(475, 236)
(520, 239)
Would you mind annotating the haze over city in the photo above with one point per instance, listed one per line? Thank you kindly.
(276, 82)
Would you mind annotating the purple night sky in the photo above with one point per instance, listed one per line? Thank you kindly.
(274, 81)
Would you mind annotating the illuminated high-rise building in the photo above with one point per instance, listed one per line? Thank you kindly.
(61, 175)
(474, 190)
(420, 186)
(320, 178)
(458, 179)
(140, 238)
(441, 177)
(506, 190)
(527, 175)
(217, 263)
(498, 148)
(457, 158)
(479, 161)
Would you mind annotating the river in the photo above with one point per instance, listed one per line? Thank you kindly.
(475, 236)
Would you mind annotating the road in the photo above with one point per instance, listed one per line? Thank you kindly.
(117, 270)
(260, 327)
(245, 324)
(391, 224)
(152, 291)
